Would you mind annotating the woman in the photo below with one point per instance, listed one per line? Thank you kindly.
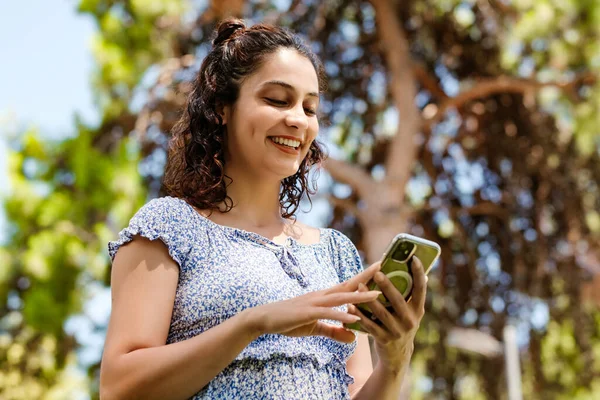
(236, 299)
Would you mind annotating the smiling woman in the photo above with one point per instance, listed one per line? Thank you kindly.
(271, 115)
(278, 101)
(218, 292)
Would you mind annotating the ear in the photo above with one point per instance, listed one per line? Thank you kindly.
(224, 112)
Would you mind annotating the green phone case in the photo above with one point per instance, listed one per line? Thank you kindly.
(400, 272)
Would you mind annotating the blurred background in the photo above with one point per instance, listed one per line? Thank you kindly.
(472, 123)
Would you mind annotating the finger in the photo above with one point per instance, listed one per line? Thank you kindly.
(331, 314)
(388, 319)
(392, 294)
(378, 311)
(334, 332)
(420, 286)
(337, 299)
(369, 326)
(351, 284)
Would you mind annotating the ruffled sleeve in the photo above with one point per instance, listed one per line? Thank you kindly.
(345, 256)
(162, 218)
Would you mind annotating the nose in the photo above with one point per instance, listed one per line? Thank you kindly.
(296, 117)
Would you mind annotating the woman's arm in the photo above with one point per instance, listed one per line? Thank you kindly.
(369, 383)
(360, 365)
(136, 363)
(383, 383)
(394, 339)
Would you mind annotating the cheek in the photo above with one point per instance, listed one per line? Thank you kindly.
(252, 117)
(262, 119)
(311, 134)
(313, 129)
(261, 110)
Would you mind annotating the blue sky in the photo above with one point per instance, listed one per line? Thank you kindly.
(45, 71)
(44, 76)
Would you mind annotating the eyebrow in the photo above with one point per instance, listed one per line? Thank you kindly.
(288, 86)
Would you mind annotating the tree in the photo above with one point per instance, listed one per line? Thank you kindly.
(470, 123)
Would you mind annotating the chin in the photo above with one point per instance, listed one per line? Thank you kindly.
(291, 173)
(286, 172)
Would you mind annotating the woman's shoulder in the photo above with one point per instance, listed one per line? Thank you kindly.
(342, 252)
(167, 212)
(331, 238)
(166, 218)
(339, 239)
(163, 206)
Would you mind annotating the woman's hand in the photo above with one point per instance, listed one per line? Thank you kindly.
(394, 339)
(299, 316)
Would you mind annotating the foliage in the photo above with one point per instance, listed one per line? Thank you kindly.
(68, 199)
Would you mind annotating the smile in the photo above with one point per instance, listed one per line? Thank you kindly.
(291, 143)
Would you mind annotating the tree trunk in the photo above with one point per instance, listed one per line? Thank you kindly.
(384, 213)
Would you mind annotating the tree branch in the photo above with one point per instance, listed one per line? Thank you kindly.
(220, 9)
(395, 49)
(347, 205)
(319, 21)
(430, 83)
(352, 175)
(487, 87)
(486, 208)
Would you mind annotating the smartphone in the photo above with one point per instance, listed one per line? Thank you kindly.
(396, 263)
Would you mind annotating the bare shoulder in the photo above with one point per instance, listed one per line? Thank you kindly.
(141, 257)
(143, 284)
(303, 233)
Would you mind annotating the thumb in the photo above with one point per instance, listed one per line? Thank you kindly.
(334, 332)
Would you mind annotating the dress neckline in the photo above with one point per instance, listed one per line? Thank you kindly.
(257, 237)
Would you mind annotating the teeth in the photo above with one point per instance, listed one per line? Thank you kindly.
(287, 142)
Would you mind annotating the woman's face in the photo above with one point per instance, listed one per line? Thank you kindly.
(272, 124)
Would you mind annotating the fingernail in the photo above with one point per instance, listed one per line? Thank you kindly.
(356, 318)
(376, 292)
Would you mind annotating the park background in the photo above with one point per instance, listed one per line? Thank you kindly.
(473, 123)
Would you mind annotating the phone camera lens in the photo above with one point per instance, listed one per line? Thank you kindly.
(403, 251)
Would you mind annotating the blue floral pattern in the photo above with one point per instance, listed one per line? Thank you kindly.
(224, 270)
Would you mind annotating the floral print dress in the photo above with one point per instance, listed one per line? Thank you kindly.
(224, 270)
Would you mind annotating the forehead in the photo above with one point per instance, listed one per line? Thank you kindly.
(289, 66)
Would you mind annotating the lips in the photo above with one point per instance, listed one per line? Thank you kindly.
(287, 141)
(294, 151)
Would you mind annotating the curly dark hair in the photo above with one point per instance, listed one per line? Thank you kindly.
(195, 165)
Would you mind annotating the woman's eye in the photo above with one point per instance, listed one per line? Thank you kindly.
(281, 103)
(276, 102)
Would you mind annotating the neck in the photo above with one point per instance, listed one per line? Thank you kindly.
(255, 199)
